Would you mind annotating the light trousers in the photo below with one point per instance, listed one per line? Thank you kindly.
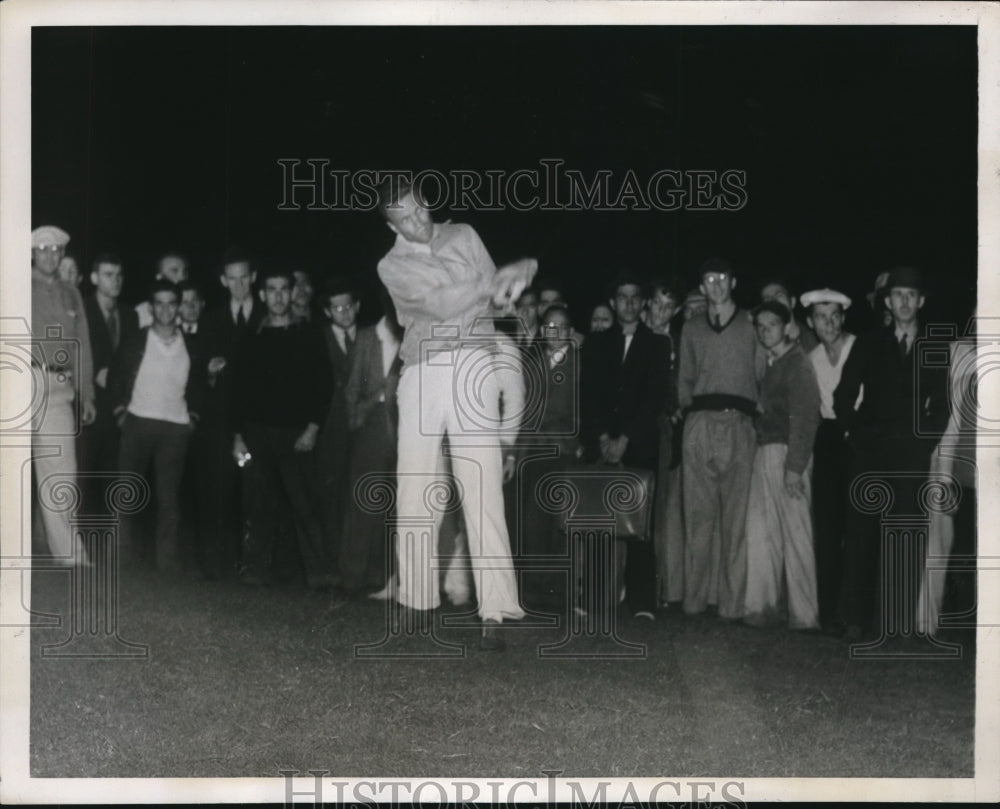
(779, 540)
(54, 451)
(718, 457)
(456, 394)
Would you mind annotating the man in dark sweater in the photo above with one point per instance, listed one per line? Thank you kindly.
(720, 367)
(282, 387)
(779, 523)
(892, 434)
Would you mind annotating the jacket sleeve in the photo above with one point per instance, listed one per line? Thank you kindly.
(319, 368)
(804, 416)
(120, 374)
(197, 382)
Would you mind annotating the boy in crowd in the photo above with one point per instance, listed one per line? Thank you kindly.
(341, 307)
(779, 522)
(156, 386)
(625, 380)
(720, 366)
(831, 453)
(109, 324)
(281, 390)
(892, 433)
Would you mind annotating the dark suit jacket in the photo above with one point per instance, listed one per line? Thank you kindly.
(100, 337)
(125, 368)
(100, 342)
(367, 381)
(905, 401)
(335, 429)
(625, 396)
(222, 338)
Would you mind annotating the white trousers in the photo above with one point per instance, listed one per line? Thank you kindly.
(454, 393)
(779, 540)
(54, 458)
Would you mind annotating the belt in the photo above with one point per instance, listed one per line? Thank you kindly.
(723, 402)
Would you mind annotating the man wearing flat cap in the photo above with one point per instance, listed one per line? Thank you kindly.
(891, 432)
(831, 454)
(61, 355)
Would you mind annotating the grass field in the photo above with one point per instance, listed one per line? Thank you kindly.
(249, 681)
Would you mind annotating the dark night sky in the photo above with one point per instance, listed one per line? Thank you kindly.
(859, 143)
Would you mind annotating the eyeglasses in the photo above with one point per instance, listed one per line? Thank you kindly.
(344, 307)
(50, 248)
(716, 277)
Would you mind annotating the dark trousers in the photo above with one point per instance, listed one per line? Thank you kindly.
(162, 444)
(277, 474)
(640, 558)
(364, 546)
(535, 532)
(331, 481)
(199, 543)
(831, 468)
(900, 466)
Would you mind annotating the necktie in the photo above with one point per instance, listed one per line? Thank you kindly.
(718, 321)
(241, 320)
(902, 347)
(113, 329)
(348, 343)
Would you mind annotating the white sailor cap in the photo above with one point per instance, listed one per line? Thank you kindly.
(825, 296)
(49, 236)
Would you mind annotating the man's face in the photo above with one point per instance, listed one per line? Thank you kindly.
(277, 296)
(46, 259)
(627, 303)
(411, 220)
(238, 279)
(173, 268)
(770, 329)
(718, 287)
(69, 273)
(601, 318)
(165, 308)
(108, 279)
(904, 303)
(827, 319)
(662, 308)
(342, 310)
(527, 310)
(302, 291)
(191, 305)
(776, 292)
(556, 330)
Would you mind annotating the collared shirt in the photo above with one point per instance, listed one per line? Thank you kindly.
(341, 335)
(161, 381)
(441, 289)
(246, 306)
(828, 374)
(57, 310)
(911, 335)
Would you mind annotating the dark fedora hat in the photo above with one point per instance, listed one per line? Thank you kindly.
(909, 277)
